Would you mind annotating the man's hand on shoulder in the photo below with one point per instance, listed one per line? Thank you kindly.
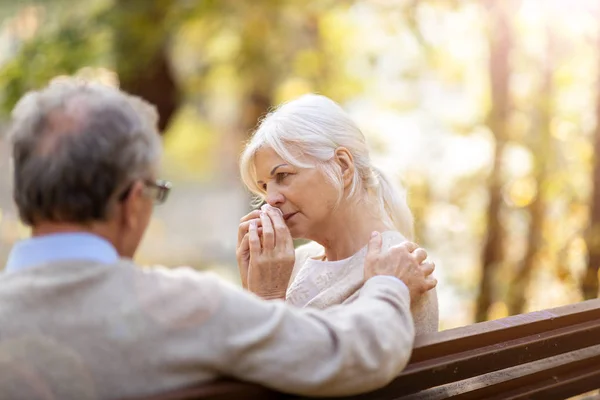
(405, 261)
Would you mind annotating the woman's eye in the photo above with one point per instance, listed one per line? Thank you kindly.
(281, 176)
(264, 187)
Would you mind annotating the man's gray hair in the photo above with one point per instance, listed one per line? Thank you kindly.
(76, 147)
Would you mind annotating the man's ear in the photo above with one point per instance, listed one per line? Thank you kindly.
(131, 205)
(346, 162)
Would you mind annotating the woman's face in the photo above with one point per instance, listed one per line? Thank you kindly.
(304, 195)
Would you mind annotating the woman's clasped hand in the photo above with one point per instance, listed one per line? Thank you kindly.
(265, 253)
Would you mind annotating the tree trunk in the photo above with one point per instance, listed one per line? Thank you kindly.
(492, 255)
(141, 51)
(256, 104)
(589, 283)
(155, 84)
(541, 148)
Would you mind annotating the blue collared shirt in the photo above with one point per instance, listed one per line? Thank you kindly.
(60, 247)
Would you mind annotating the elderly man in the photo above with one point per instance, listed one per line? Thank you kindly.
(79, 320)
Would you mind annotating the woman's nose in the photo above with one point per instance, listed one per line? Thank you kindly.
(275, 199)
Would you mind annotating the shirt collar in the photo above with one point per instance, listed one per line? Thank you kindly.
(60, 247)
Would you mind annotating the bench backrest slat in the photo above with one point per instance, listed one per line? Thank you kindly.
(478, 361)
(501, 330)
(542, 378)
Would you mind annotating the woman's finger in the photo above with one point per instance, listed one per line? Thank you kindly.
(244, 244)
(253, 241)
(244, 248)
(255, 214)
(244, 223)
(243, 228)
(268, 235)
(283, 236)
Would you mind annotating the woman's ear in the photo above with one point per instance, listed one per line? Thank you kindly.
(346, 162)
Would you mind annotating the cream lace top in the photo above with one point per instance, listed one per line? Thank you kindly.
(322, 284)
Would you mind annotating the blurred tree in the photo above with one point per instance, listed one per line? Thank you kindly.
(277, 43)
(141, 32)
(42, 51)
(589, 282)
(499, 66)
(259, 62)
(540, 142)
(131, 36)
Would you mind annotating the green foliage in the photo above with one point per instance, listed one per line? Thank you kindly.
(189, 146)
(59, 47)
(59, 53)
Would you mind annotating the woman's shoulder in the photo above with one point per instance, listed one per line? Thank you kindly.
(391, 238)
(308, 250)
(303, 253)
(315, 250)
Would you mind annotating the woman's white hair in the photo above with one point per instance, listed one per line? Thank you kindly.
(315, 126)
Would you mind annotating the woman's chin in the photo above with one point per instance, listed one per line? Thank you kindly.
(295, 233)
(296, 228)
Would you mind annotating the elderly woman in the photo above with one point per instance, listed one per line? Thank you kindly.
(309, 162)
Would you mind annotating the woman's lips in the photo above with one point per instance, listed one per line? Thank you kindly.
(286, 217)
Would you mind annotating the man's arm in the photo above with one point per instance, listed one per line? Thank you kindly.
(215, 328)
(343, 350)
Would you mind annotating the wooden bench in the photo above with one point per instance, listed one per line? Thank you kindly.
(549, 354)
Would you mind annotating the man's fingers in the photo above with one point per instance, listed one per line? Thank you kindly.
(430, 283)
(420, 255)
(268, 235)
(410, 246)
(427, 268)
(374, 247)
(253, 240)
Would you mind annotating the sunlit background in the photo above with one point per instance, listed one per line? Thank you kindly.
(486, 110)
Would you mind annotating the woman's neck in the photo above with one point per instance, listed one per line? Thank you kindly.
(347, 231)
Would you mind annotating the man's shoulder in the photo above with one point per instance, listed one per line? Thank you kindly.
(182, 275)
(181, 295)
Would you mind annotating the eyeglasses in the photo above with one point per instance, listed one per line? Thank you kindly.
(157, 190)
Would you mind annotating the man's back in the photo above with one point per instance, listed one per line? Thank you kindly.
(84, 330)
